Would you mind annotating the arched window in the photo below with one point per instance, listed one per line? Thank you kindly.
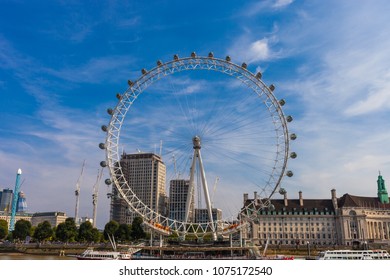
(354, 231)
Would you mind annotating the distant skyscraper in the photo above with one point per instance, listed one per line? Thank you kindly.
(178, 193)
(145, 173)
(6, 200)
(22, 204)
(202, 215)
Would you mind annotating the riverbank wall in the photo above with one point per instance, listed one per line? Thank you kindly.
(49, 249)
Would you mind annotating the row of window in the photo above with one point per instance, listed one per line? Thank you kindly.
(296, 224)
(295, 236)
(296, 229)
(313, 212)
(288, 219)
(299, 242)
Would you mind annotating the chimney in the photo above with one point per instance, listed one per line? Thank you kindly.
(245, 197)
(300, 199)
(285, 199)
(255, 198)
(334, 199)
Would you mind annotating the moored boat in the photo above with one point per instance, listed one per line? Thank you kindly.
(91, 254)
(354, 255)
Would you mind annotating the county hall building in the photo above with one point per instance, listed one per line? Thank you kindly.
(347, 220)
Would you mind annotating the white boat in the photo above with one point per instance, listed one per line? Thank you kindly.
(354, 255)
(91, 254)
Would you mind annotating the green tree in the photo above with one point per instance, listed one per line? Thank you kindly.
(96, 235)
(87, 233)
(137, 232)
(123, 232)
(43, 231)
(3, 229)
(110, 228)
(22, 230)
(67, 231)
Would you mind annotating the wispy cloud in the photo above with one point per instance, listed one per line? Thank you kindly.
(343, 87)
(252, 50)
(378, 99)
(263, 7)
(282, 3)
(96, 70)
(329, 60)
(50, 141)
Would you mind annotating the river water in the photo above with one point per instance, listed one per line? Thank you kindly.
(20, 256)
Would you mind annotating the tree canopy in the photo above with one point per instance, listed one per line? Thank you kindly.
(22, 230)
(87, 233)
(3, 229)
(110, 228)
(137, 232)
(123, 233)
(43, 231)
(67, 231)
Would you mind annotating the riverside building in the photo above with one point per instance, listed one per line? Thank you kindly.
(6, 197)
(145, 173)
(178, 193)
(54, 218)
(6, 200)
(347, 220)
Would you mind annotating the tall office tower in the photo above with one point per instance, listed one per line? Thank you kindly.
(6, 200)
(178, 193)
(145, 173)
(21, 207)
(202, 216)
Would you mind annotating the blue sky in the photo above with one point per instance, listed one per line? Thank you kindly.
(62, 62)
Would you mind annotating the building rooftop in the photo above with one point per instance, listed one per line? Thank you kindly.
(295, 205)
(43, 214)
(326, 205)
(348, 200)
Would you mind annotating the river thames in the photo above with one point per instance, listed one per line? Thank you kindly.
(37, 267)
(20, 256)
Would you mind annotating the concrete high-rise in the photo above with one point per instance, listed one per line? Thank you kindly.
(145, 174)
(6, 200)
(202, 216)
(178, 193)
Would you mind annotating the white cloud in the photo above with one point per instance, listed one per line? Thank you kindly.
(259, 50)
(282, 3)
(96, 70)
(340, 95)
(259, 7)
(250, 50)
(50, 156)
(336, 84)
(50, 141)
(374, 102)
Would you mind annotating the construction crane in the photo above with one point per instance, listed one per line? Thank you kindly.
(15, 200)
(214, 189)
(174, 166)
(95, 196)
(77, 193)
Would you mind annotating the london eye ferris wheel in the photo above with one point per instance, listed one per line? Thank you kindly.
(217, 126)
